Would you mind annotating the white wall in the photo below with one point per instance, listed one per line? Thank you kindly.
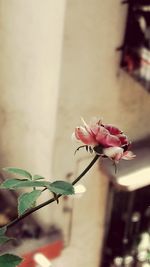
(31, 35)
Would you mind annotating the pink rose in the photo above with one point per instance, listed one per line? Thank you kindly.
(105, 139)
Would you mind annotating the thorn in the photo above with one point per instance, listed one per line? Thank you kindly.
(56, 198)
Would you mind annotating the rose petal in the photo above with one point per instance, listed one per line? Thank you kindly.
(84, 136)
(128, 155)
(123, 139)
(106, 139)
(86, 126)
(101, 135)
(73, 137)
(95, 129)
(95, 125)
(112, 129)
(112, 140)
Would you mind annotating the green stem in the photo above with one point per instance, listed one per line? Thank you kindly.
(52, 199)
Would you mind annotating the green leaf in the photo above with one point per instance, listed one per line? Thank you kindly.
(11, 183)
(61, 187)
(38, 177)
(21, 172)
(25, 201)
(4, 239)
(3, 230)
(16, 183)
(9, 260)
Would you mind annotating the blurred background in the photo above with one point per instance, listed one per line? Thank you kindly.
(60, 61)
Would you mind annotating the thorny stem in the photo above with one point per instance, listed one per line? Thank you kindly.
(52, 199)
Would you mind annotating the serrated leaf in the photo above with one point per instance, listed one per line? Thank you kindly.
(25, 201)
(16, 183)
(38, 177)
(21, 172)
(9, 260)
(61, 187)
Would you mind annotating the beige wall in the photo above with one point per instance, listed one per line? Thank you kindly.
(31, 35)
(31, 38)
(93, 85)
(33, 90)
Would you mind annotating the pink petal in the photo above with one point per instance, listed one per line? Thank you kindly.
(95, 129)
(86, 126)
(84, 136)
(128, 155)
(101, 134)
(73, 137)
(94, 126)
(112, 129)
(112, 140)
(123, 139)
(103, 137)
(90, 128)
